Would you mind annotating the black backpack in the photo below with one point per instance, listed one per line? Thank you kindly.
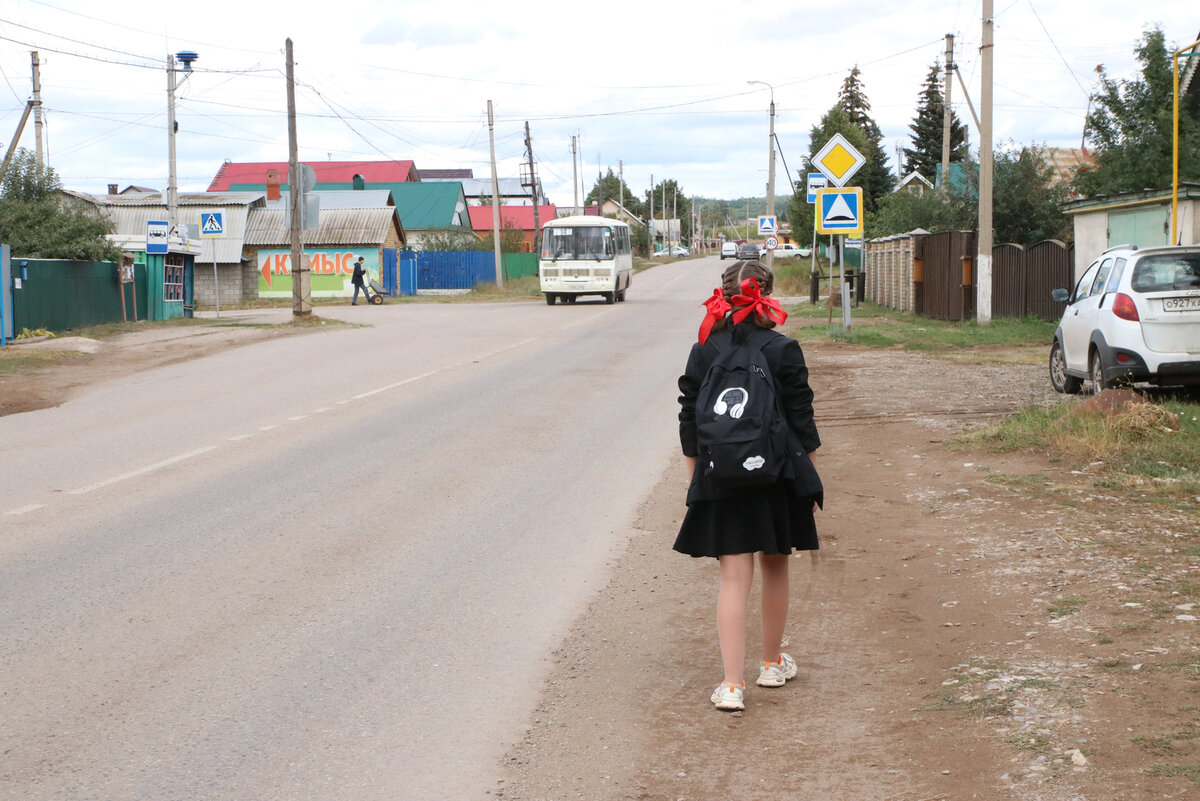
(740, 431)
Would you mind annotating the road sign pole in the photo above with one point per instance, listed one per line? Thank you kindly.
(216, 284)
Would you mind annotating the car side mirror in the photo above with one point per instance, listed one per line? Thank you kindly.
(1060, 295)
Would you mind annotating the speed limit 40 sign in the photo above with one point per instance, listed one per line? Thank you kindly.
(772, 243)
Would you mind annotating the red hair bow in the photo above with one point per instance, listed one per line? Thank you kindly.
(717, 308)
(751, 300)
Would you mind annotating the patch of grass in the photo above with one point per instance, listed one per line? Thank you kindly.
(940, 337)
(1014, 480)
(1165, 744)
(1191, 771)
(15, 359)
(1029, 742)
(1064, 606)
(1138, 455)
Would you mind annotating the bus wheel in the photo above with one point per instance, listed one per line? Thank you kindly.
(549, 298)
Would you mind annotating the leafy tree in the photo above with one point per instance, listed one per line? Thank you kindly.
(932, 211)
(1025, 202)
(877, 179)
(836, 120)
(1130, 127)
(679, 203)
(926, 153)
(1026, 197)
(453, 239)
(40, 222)
(609, 187)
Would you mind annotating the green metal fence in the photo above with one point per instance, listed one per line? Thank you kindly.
(60, 295)
(519, 265)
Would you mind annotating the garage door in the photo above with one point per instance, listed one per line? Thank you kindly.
(1142, 227)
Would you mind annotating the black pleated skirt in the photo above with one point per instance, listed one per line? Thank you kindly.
(768, 519)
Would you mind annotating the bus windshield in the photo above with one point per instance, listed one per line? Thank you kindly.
(580, 242)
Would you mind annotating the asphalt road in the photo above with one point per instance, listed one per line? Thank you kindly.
(329, 566)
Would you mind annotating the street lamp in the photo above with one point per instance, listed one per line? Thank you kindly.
(186, 57)
(771, 166)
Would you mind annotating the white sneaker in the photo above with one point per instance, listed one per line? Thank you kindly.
(776, 674)
(729, 696)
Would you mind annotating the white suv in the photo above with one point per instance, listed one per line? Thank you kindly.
(1134, 317)
(728, 250)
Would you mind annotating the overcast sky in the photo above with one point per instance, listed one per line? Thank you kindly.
(659, 86)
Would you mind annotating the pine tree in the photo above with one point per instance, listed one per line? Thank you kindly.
(926, 153)
(834, 121)
(876, 178)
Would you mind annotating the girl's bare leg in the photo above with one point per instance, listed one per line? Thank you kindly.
(775, 597)
(737, 574)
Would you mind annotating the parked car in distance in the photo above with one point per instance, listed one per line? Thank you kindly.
(788, 249)
(677, 252)
(748, 252)
(1133, 317)
(729, 250)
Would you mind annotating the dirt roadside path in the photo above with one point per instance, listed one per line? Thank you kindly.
(61, 366)
(974, 627)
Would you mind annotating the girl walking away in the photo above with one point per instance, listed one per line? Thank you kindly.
(746, 427)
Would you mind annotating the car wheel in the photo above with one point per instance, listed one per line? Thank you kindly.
(570, 298)
(1058, 372)
(610, 297)
(1096, 380)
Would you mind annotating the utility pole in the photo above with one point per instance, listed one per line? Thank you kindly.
(172, 190)
(575, 174)
(983, 275)
(37, 107)
(666, 222)
(675, 210)
(495, 202)
(537, 223)
(947, 114)
(650, 225)
(771, 177)
(301, 280)
(621, 180)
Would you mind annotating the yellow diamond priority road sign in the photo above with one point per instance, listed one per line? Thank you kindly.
(838, 160)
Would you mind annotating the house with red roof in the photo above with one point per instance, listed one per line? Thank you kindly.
(234, 173)
(517, 218)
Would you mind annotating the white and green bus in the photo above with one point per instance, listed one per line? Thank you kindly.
(585, 256)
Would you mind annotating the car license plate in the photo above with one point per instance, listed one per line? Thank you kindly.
(1181, 304)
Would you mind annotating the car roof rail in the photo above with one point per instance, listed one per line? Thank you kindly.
(1126, 246)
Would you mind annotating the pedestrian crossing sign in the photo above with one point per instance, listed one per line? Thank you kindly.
(212, 224)
(839, 211)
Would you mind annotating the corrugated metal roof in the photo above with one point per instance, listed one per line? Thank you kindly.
(342, 199)
(327, 171)
(518, 217)
(269, 227)
(129, 215)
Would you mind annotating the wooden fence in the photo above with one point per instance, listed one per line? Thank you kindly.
(934, 275)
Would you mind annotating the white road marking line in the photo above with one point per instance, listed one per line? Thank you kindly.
(298, 417)
(24, 509)
(593, 318)
(240, 437)
(142, 471)
(321, 410)
(369, 393)
(268, 428)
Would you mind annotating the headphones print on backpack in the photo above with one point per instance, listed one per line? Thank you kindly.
(720, 407)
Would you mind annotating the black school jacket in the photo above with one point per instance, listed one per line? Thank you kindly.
(786, 361)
